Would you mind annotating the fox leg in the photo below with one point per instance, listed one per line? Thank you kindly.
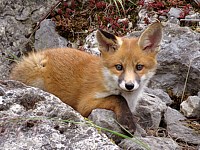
(117, 104)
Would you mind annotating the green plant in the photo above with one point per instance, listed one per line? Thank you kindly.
(162, 7)
(10, 57)
(75, 19)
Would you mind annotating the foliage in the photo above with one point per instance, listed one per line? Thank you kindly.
(75, 18)
(162, 7)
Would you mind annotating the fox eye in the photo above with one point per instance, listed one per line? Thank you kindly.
(139, 67)
(119, 67)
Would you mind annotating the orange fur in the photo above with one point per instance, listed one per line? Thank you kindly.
(86, 82)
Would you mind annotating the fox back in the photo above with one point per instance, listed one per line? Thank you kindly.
(86, 82)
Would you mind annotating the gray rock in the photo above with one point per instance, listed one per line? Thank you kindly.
(144, 16)
(198, 147)
(17, 21)
(173, 20)
(33, 119)
(153, 143)
(198, 94)
(162, 18)
(47, 37)
(161, 94)
(175, 12)
(179, 47)
(91, 45)
(194, 15)
(24, 13)
(178, 129)
(107, 119)
(191, 107)
(150, 110)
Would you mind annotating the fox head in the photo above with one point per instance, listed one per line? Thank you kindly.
(129, 63)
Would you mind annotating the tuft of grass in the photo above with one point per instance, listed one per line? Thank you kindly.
(116, 4)
(186, 79)
(121, 3)
(11, 57)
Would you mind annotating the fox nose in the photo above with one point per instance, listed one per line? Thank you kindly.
(129, 86)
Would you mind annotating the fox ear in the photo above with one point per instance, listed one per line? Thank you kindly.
(107, 41)
(151, 38)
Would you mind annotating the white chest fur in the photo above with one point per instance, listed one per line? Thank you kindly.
(133, 97)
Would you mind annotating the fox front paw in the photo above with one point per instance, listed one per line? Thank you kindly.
(127, 122)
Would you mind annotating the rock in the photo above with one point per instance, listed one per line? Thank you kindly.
(198, 94)
(161, 94)
(198, 148)
(47, 37)
(149, 142)
(177, 127)
(193, 16)
(174, 12)
(144, 17)
(140, 132)
(191, 107)
(17, 22)
(33, 119)
(91, 45)
(23, 14)
(162, 18)
(107, 119)
(150, 110)
(179, 47)
(173, 20)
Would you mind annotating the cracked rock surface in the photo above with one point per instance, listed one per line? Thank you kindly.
(33, 119)
(17, 22)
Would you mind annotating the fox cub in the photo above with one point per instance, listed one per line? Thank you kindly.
(113, 81)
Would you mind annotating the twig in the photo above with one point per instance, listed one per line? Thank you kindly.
(185, 84)
(45, 16)
(187, 76)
